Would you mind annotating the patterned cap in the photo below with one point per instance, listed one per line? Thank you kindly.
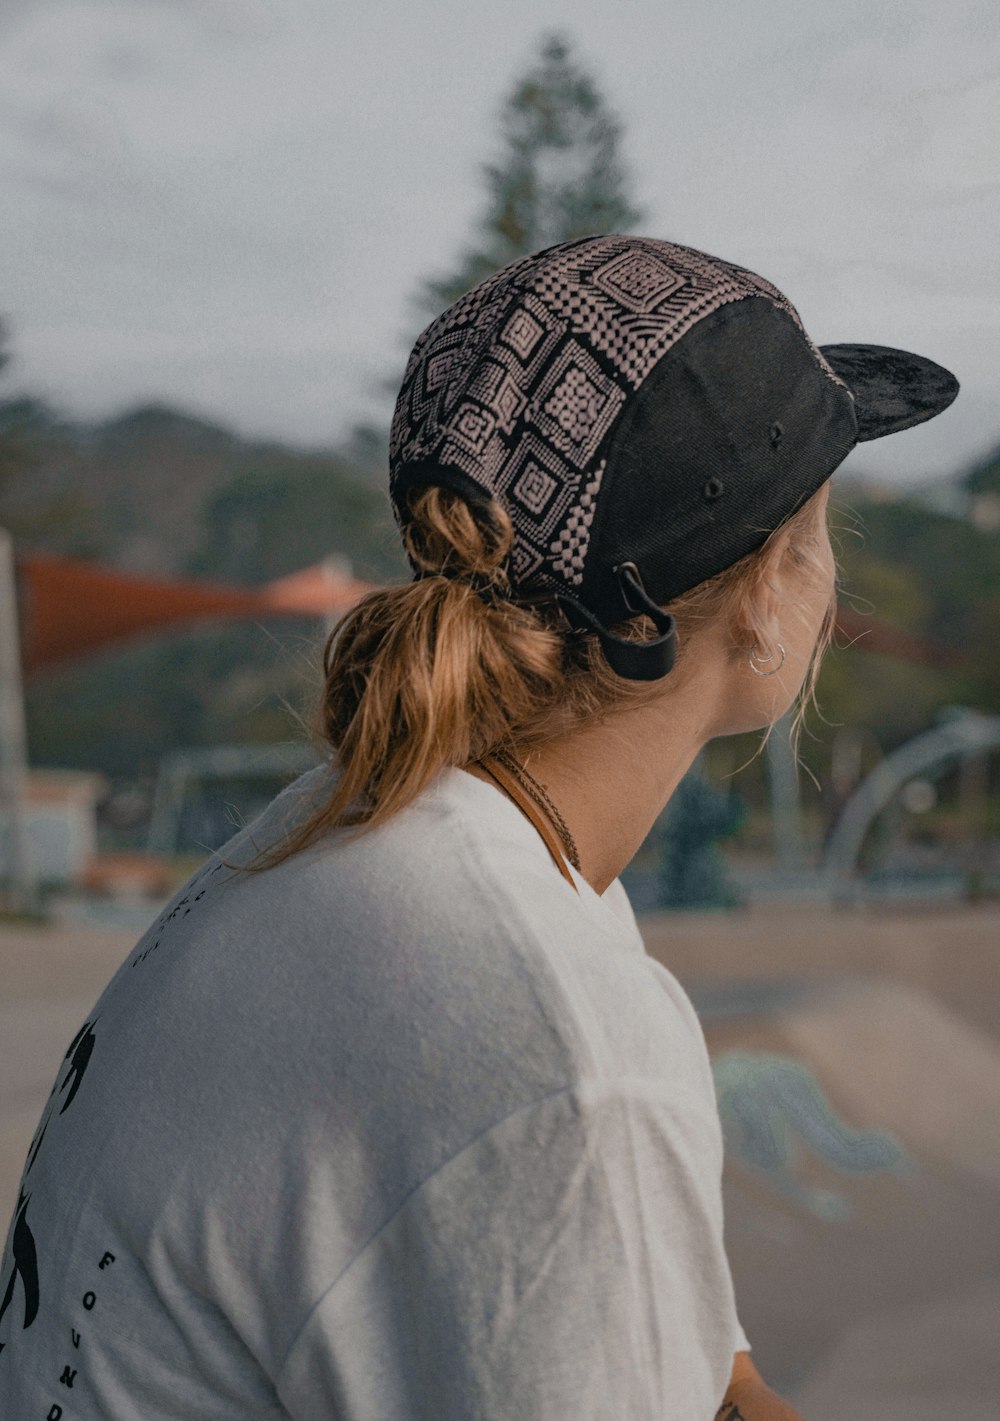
(647, 414)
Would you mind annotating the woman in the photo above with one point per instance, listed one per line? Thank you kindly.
(390, 1115)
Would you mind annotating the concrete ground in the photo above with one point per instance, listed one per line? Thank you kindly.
(867, 1291)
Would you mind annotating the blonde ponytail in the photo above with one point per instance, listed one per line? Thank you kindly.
(426, 674)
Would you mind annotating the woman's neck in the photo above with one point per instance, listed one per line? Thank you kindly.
(609, 789)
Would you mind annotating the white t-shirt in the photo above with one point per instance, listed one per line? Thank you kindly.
(404, 1129)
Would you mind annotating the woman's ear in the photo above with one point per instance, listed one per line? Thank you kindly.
(756, 620)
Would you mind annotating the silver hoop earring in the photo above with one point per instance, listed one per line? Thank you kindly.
(756, 670)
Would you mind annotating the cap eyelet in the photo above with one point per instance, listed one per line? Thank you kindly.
(713, 488)
(775, 434)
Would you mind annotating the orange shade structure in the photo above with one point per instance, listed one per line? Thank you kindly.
(315, 591)
(70, 608)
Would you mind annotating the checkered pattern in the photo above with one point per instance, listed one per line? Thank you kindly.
(519, 384)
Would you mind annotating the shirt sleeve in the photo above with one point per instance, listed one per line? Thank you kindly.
(567, 1263)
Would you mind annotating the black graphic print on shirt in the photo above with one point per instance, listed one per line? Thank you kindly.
(151, 940)
(23, 1249)
(23, 1283)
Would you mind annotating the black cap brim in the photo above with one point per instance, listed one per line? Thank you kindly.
(892, 389)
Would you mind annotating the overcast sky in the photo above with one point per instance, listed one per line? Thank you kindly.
(230, 204)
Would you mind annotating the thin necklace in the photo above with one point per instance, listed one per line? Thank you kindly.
(537, 792)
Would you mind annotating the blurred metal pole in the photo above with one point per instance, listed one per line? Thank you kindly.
(786, 809)
(960, 732)
(22, 885)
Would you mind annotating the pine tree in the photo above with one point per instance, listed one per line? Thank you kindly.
(561, 175)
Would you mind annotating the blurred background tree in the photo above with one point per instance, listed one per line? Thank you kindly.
(561, 175)
(33, 508)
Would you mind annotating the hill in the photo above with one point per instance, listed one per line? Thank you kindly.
(159, 491)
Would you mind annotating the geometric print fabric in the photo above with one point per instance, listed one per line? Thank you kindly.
(520, 382)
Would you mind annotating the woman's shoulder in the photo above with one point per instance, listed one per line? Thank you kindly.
(450, 921)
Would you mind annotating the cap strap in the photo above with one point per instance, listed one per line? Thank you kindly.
(634, 661)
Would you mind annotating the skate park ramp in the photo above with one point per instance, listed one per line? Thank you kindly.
(861, 1114)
